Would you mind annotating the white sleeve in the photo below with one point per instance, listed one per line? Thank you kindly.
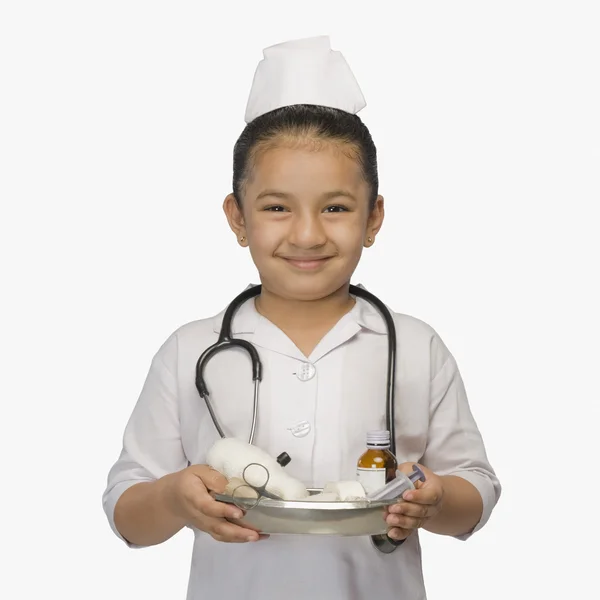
(152, 441)
(455, 446)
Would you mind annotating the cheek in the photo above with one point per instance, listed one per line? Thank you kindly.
(264, 236)
(348, 235)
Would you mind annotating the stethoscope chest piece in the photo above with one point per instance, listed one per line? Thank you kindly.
(385, 544)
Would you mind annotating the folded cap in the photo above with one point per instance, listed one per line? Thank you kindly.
(304, 71)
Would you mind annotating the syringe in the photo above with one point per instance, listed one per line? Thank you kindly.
(395, 488)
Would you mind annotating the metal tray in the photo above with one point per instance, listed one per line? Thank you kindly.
(312, 517)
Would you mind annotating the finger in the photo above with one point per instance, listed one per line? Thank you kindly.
(224, 531)
(406, 468)
(213, 480)
(411, 509)
(221, 510)
(424, 495)
(404, 522)
(397, 533)
(207, 505)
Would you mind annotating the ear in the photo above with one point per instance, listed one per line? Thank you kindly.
(374, 222)
(235, 218)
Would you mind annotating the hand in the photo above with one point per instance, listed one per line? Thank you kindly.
(417, 506)
(187, 495)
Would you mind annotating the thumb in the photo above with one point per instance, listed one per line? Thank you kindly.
(212, 479)
(408, 469)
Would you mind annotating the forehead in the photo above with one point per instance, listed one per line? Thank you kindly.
(314, 167)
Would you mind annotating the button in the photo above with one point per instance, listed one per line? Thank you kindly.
(302, 429)
(306, 371)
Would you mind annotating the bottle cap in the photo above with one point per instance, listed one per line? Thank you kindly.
(284, 459)
(378, 439)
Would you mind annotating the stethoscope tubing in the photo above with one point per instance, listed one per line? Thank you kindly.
(225, 341)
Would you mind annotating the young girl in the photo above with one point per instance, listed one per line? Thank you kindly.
(305, 202)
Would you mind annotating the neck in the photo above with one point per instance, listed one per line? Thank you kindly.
(289, 314)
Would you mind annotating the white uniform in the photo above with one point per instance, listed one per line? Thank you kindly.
(318, 410)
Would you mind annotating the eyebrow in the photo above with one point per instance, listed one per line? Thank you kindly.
(325, 196)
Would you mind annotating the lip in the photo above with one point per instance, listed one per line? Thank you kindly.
(307, 263)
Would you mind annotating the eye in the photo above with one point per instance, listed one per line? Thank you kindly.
(336, 208)
(275, 208)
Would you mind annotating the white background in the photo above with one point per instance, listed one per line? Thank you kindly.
(117, 124)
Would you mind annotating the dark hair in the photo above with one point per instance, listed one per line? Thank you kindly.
(309, 121)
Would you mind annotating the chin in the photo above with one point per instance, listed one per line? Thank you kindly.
(307, 288)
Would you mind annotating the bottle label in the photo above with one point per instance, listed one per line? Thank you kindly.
(371, 479)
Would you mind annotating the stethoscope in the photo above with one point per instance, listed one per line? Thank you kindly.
(226, 341)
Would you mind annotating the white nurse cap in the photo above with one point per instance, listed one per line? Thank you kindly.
(305, 71)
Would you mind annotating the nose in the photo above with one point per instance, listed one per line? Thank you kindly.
(307, 231)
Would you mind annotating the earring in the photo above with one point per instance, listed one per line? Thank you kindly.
(370, 240)
(242, 240)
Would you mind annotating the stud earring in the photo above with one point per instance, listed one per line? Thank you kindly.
(242, 240)
(370, 240)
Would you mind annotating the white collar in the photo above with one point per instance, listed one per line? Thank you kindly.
(247, 317)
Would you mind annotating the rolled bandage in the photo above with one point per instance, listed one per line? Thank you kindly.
(346, 491)
(231, 456)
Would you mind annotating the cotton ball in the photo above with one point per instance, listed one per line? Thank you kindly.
(346, 491)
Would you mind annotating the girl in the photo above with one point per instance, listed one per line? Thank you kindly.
(305, 202)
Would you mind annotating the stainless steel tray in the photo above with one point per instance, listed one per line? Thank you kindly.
(312, 517)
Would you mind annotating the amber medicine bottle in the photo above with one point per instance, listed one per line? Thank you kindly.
(377, 466)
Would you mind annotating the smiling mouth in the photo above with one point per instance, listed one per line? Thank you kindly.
(307, 264)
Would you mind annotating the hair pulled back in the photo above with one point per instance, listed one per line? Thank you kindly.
(304, 122)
